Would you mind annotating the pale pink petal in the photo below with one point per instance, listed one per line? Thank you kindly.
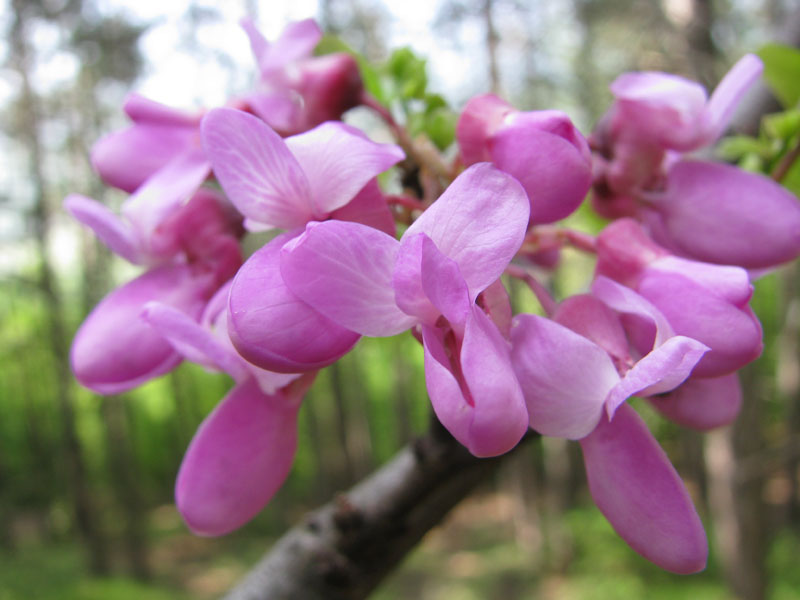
(663, 369)
(256, 169)
(339, 161)
(407, 280)
(195, 342)
(702, 403)
(731, 283)
(126, 158)
(237, 460)
(443, 284)
(660, 108)
(495, 301)
(344, 271)
(720, 214)
(452, 407)
(729, 92)
(499, 416)
(280, 108)
(565, 377)
(106, 225)
(143, 110)
(163, 194)
(297, 41)
(273, 328)
(115, 349)
(646, 324)
(479, 222)
(481, 117)
(587, 316)
(368, 207)
(638, 490)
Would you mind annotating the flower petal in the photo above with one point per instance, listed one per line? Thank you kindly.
(115, 349)
(551, 160)
(106, 225)
(339, 161)
(479, 222)
(273, 328)
(500, 417)
(443, 284)
(256, 169)
(237, 460)
(193, 341)
(663, 369)
(718, 213)
(702, 403)
(344, 271)
(163, 194)
(729, 92)
(638, 490)
(368, 207)
(565, 377)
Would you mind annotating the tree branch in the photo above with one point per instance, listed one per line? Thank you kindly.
(343, 550)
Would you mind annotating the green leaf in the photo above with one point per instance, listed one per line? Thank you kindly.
(408, 72)
(784, 125)
(736, 147)
(440, 125)
(791, 180)
(782, 72)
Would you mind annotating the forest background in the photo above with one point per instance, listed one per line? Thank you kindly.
(86, 482)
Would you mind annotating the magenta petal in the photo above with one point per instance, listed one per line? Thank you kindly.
(495, 301)
(720, 214)
(485, 411)
(256, 169)
(565, 377)
(733, 333)
(539, 150)
(273, 328)
(702, 404)
(638, 490)
(193, 341)
(106, 225)
(339, 161)
(479, 222)
(664, 369)
(368, 207)
(500, 417)
(296, 41)
(237, 460)
(115, 349)
(344, 271)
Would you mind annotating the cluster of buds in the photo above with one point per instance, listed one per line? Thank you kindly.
(665, 317)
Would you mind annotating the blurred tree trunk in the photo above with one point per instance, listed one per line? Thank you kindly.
(29, 126)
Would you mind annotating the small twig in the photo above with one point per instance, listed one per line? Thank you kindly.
(786, 163)
(549, 305)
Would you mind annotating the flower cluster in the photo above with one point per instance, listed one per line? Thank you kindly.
(665, 316)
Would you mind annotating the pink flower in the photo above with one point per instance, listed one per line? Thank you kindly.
(576, 372)
(368, 282)
(327, 172)
(243, 450)
(703, 301)
(298, 90)
(542, 149)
